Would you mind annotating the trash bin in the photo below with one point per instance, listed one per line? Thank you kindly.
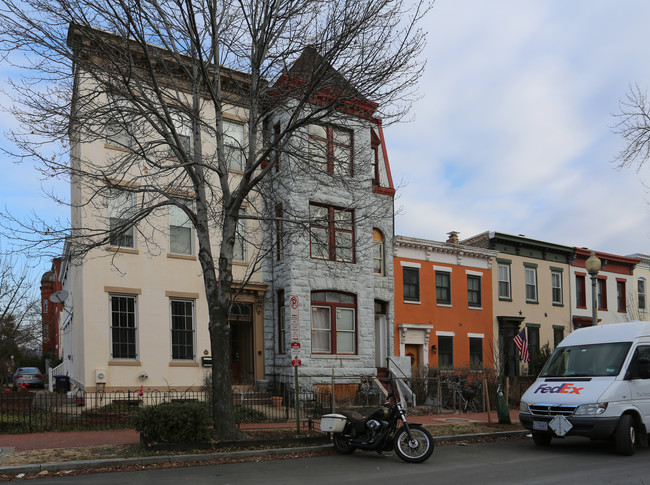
(61, 384)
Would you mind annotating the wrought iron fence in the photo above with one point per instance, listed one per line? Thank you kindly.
(434, 392)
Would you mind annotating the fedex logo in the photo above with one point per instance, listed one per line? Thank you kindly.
(568, 388)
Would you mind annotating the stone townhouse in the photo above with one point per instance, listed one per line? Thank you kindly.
(329, 302)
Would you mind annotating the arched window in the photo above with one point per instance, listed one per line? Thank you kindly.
(378, 252)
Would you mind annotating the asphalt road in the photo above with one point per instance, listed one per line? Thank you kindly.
(573, 461)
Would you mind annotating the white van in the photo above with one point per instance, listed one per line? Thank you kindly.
(596, 384)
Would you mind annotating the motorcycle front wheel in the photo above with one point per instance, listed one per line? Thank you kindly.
(414, 450)
(342, 444)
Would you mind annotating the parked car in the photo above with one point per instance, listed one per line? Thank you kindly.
(28, 377)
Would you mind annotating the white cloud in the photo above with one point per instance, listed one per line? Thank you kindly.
(513, 132)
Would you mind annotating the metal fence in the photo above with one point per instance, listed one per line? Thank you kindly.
(450, 392)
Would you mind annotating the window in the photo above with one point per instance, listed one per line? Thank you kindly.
(330, 149)
(282, 329)
(378, 252)
(411, 283)
(279, 231)
(375, 145)
(602, 294)
(621, 304)
(123, 327)
(182, 329)
(233, 144)
(119, 126)
(183, 129)
(445, 351)
(558, 335)
(239, 250)
(531, 284)
(181, 231)
(581, 296)
(473, 290)
(443, 288)
(504, 281)
(641, 294)
(121, 208)
(333, 323)
(475, 352)
(331, 233)
(556, 287)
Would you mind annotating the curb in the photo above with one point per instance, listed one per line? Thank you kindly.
(152, 460)
(205, 457)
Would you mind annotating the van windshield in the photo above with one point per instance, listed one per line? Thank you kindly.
(587, 360)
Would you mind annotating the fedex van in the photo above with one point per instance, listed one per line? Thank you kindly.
(596, 384)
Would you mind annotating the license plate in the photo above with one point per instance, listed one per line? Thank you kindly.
(540, 425)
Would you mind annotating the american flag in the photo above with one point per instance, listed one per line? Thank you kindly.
(522, 345)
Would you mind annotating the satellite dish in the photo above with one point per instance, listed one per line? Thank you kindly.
(59, 296)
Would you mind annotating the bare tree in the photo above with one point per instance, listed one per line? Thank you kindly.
(19, 314)
(633, 125)
(154, 73)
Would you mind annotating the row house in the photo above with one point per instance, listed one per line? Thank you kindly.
(136, 313)
(531, 281)
(614, 289)
(638, 304)
(443, 303)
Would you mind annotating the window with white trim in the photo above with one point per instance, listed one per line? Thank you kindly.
(121, 208)
(443, 287)
(333, 323)
(239, 250)
(181, 231)
(474, 291)
(124, 327)
(641, 298)
(182, 323)
(233, 144)
(531, 284)
(556, 287)
(411, 283)
(504, 281)
(119, 125)
(475, 352)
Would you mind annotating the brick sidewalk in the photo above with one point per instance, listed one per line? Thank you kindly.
(73, 439)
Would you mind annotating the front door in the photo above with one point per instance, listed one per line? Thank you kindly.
(241, 344)
(413, 351)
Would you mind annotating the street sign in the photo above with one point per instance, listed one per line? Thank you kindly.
(296, 363)
(295, 318)
(295, 345)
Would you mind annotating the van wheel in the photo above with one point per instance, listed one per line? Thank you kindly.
(542, 439)
(625, 435)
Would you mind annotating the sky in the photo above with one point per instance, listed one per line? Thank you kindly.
(513, 130)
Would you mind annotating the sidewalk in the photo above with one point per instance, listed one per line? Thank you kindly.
(76, 439)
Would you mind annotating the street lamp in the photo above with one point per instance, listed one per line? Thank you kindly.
(593, 266)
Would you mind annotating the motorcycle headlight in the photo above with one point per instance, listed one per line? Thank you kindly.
(523, 407)
(592, 409)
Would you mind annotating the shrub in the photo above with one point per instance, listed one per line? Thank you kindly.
(245, 414)
(174, 423)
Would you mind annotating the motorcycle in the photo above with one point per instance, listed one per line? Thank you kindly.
(385, 429)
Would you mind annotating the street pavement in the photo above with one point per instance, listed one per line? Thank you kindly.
(11, 443)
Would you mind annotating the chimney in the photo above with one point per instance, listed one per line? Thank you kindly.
(453, 237)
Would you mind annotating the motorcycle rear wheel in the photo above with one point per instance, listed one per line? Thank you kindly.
(342, 444)
(414, 450)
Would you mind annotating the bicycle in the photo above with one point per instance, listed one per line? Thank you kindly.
(461, 398)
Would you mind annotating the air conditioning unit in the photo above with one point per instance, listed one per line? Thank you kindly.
(100, 376)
